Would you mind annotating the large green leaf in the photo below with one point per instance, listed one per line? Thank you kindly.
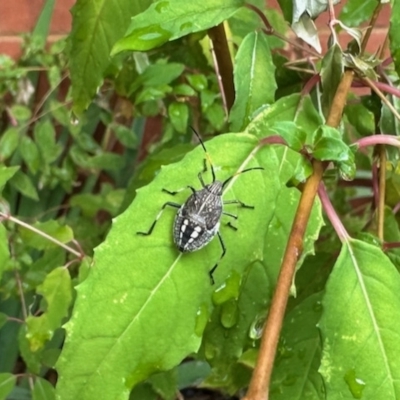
(295, 375)
(144, 306)
(254, 75)
(169, 20)
(96, 26)
(360, 325)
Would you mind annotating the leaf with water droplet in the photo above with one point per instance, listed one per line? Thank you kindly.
(356, 385)
(170, 20)
(358, 324)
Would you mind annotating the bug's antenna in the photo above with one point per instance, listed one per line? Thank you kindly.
(239, 173)
(207, 155)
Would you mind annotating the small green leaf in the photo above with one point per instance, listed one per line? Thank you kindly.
(24, 185)
(179, 114)
(7, 383)
(4, 250)
(30, 153)
(6, 173)
(57, 293)
(198, 82)
(183, 90)
(8, 143)
(107, 161)
(331, 75)
(294, 136)
(31, 359)
(170, 20)
(45, 138)
(254, 75)
(158, 75)
(127, 136)
(43, 390)
(295, 108)
(216, 115)
(21, 113)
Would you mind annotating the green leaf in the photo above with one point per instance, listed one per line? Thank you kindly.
(62, 233)
(42, 27)
(170, 20)
(30, 154)
(4, 250)
(295, 375)
(358, 325)
(117, 319)
(394, 34)
(355, 12)
(295, 108)
(183, 90)
(165, 384)
(57, 293)
(158, 75)
(43, 390)
(254, 75)
(32, 359)
(198, 82)
(24, 185)
(363, 119)
(127, 136)
(329, 146)
(8, 143)
(7, 383)
(179, 114)
(331, 75)
(3, 319)
(45, 138)
(294, 136)
(96, 26)
(108, 161)
(21, 113)
(6, 173)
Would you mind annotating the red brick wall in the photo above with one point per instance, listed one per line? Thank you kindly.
(20, 16)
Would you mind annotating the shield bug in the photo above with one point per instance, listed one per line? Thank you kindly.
(198, 219)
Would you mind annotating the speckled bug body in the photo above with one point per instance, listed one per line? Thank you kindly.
(197, 221)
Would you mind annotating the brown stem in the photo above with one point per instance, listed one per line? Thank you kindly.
(260, 381)
(371, 26)
(223, 64)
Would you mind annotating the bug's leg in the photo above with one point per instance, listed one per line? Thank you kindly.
(222, 256)
(235, 217)
(241, 204)
(173, 193)
(175, 205)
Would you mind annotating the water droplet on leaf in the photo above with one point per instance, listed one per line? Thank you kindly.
(356, 385)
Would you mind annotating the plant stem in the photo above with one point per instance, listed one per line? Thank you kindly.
(260, 381)
(41, 233)
(223, 64)
(331, 214)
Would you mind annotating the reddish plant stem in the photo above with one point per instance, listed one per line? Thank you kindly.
(260, 381)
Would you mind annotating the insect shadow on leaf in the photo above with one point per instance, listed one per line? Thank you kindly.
(198, 219)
